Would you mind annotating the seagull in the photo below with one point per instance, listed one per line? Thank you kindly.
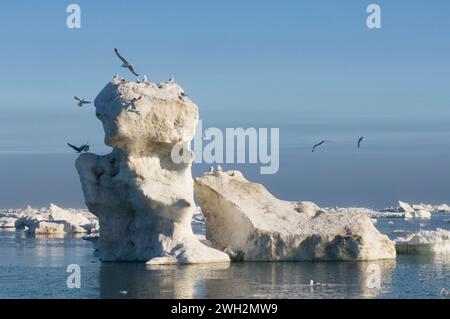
(81, 101)
(219, 168)
(125, 63)
(318, 144)
(211, 169)
(138, 81)
(171, 80)
(360, 140)
(116, 77)
(82, 148)
(145, 80)
(132, 105)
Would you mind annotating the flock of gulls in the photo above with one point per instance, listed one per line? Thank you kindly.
(131, 105)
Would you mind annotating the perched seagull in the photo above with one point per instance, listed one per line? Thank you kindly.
(145, 80)
(219, 168)
(171, 80)
(318, 144)
(160, 85)
(116, 77)
(360, 140)
(81, 101)
(82, 148)
(138, 81)
(125, 63)
(211, 169)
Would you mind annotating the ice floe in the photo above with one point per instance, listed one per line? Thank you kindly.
(424, 242)
(49, 220)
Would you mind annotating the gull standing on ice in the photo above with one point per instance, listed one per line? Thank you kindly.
(171, 80)
(125, 63)
(318, 144)
(82, 148)
(219, 168)
(81, 102)
(145, 80)
(211, 169)
(360, 140)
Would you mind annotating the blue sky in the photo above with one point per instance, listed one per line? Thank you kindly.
(311, 68)
(295, 56)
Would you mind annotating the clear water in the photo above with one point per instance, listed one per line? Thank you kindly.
(36, 268)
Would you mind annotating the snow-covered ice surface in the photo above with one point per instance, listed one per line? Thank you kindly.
(424, 242)
(51, 220)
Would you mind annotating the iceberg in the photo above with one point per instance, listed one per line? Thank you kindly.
(250, 224)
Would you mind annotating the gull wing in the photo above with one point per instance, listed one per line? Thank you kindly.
(121, 57)
(78, 149)
(130, 67)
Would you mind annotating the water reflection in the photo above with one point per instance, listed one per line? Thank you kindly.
(247, 280)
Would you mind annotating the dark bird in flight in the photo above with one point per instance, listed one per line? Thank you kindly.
(125, 63)
(318, 144)
(81, 101)
(360, 140)
(131, 106)
(82, 148)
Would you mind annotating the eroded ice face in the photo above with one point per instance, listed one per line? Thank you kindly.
(135, 115)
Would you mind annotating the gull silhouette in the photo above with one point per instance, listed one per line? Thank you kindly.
(82, 148)
(318, 144)
(360, 140)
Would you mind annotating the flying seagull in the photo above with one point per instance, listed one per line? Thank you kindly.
(82, 148)
(318, 144)
(125, 63)
(132, 105)
(360, 140)
(81, 102)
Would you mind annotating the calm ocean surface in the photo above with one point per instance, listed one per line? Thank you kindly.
(36, 268)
